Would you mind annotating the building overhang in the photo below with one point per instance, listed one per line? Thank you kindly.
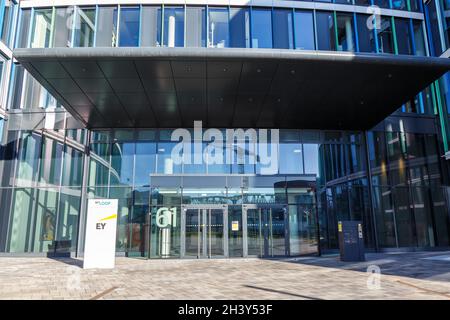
(228, 87)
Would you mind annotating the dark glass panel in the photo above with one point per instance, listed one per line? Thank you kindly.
(282, 28)
(261, 28)
(326, 37)
(239, 28)
(304, 30)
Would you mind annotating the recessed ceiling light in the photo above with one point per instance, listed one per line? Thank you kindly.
(297, 150)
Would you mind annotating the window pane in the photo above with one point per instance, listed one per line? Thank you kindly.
(8, 16)
(63, 27)
(366, 40)
(402, 28)
(173, 27)
(218, 27)
(363, 2)
(311, 156)
(35, 96)
(385, 37)
(261, 28)
(239, 28)
(151, 26)
(106, 35)
(326, 39)
(165, 163)
(41, 28)
(415, 5)
(282, 28)
(344, 1)
(145, 162)
(22, 41)
(382, 3)
(17, 86)
(399, 5)
(122, 164)
(84, 27)
(304, 30)
(129, 27)
(434, 26)
(195, 27)
(346, 34)
(291, 158)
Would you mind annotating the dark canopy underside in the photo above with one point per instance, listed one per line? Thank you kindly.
(172, 87)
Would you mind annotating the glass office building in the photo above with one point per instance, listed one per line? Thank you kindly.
(91, 97)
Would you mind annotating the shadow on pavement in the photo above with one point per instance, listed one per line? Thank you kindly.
(433, 266)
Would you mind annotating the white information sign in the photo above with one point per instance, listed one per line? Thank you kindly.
(100, 241)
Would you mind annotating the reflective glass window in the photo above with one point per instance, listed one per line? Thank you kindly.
(121, 172)
(145, 162)
(404, 38)
(366, 39)
(419, 40)
(73, 167)
(165, 163)
(218, 27)
(290, 158)
(42, 27)
(344, 1)
(400, 4)
(22, 41)
(446, 27)
(173, 27)
(8, 16)
(261, 28)
(345, 32)
(35, 96)
(84, 27)
(382, 3)
(50, 164)
(16, 87)
(129, 27)
(304, 30)
(326, 37)
(385, 36)
(283, 29)
(416, 5)
(311, 158)
(106, 35)
(195, 27)
(63, 27)
(363, 2)
(239, 28)
(434, 28)
(151, 26)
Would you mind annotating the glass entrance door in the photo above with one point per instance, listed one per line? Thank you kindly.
(204, 232)
(266, 231)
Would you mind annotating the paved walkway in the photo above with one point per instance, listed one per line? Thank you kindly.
(403, 276)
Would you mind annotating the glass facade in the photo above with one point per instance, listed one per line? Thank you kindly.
(393, 177)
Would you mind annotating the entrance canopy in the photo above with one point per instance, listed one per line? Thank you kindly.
(228, 87)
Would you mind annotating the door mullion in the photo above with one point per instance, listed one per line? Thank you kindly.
(225, 232)
(244, 233)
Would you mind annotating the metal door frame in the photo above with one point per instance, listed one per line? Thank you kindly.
(246, 207)
(204, 213)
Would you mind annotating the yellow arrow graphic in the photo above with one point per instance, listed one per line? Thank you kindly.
(110, 217)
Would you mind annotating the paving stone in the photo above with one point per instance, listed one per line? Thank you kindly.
(403, 276)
